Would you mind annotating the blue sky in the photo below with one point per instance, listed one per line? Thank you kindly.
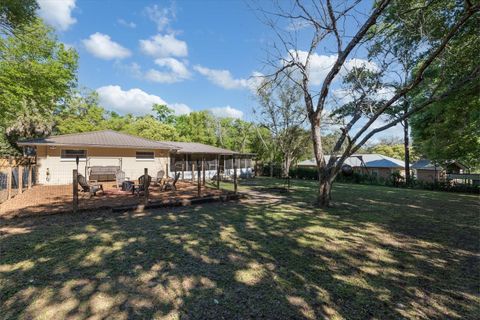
(198, 54)
(191, 55)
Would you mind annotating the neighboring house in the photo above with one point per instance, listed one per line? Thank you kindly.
(373, 164)
(56, 155)
(429, 171)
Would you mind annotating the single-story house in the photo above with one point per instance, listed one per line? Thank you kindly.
(373, 164)
(56, 156)
(430, 171)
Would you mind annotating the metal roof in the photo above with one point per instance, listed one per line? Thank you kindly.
(372, 160)
(105, 139)
(199, 148)
(425, 164)
(114, 139)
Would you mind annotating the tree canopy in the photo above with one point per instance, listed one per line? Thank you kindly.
(37, 75)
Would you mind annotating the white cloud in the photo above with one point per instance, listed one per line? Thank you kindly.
(180, 108)
(164, 46)
(128, 24)
(101, 46)
(226, 112)
(160, 16)
(171, 71)
(58, 13)
(320, 65)
(175, 71)
(135, 101)
(224, 78)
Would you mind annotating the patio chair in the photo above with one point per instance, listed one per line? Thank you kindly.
(91, 188)
(160, 176)
(119, 178)
(140, 187)
(171, 185)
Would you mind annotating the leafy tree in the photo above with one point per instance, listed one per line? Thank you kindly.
(14, 14)
(427, 29)
(282, 113)
(163, 113)
(81, 113)
(198, 126)
(150, 128)
(450, 128)
(37, 75)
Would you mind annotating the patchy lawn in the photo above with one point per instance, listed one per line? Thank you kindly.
(379, 253)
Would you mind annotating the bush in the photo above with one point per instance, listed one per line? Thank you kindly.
(395, 180)
(304, 173)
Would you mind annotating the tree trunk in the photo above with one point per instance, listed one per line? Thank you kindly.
(406, 142)
(286, 165)
(324, 191)
(324, 181)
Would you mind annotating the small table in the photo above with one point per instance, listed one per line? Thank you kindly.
(127, 185)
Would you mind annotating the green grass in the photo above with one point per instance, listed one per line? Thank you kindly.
(378, 253)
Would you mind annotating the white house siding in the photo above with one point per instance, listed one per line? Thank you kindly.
(60, 170)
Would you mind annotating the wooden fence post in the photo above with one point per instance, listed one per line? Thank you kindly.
(218, 172)
(199, 181)
(235, 185)
(30, 176)
(203, 171)
(20, 179)
(166, 170)
(145, 186)
(75, 190)
(9, 182)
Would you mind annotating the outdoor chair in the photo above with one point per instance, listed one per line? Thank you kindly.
(160, 176)
(171, 185)
(91, 188)
(119, 178)
(140, 187)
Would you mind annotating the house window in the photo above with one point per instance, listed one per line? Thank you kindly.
(145, 155)
(70, 154)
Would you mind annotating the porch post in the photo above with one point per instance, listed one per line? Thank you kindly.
(183, 166)
(235, 186)
(203, 171)
(193, 171)
(199, 181)
(175, 166)
(218, 172)
(75, 190)
(166, 170)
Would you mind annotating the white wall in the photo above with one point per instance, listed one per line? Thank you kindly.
(61, 170)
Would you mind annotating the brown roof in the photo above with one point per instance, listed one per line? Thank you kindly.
(105, 138)
(199, 148)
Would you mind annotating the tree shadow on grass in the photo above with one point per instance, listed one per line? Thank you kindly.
(237, 261)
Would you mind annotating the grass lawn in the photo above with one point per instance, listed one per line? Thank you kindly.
(378, 253)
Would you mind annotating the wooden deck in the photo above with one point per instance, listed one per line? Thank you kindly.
(54, 199)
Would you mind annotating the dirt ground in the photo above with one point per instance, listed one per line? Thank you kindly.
(54, 199)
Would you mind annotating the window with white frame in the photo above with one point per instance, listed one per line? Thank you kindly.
(72, 154)
(145, 155)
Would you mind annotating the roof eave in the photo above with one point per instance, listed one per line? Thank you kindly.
(91, 145)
